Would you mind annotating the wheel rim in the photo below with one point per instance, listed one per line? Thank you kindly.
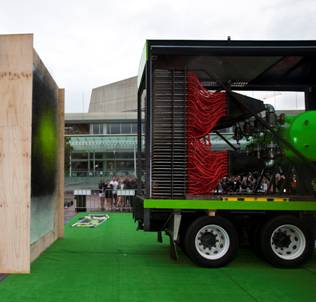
(212, 242)
(288, 242)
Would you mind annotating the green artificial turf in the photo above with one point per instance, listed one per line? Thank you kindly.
(115, 263)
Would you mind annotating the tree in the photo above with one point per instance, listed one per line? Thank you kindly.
(68, 150)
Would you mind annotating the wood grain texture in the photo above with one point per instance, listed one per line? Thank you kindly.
(16, 57)
(19, 66)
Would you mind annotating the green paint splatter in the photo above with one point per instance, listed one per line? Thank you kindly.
(46, 141)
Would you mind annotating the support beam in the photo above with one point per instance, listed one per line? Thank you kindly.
(310, 98)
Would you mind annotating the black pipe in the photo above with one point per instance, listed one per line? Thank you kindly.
(226, 140)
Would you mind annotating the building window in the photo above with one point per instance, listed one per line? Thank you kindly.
(102, 164)
(114, 128)
(97, 128)
(124, 155)
(125, 128)
(134, 128)
(73, 129)
(79, 155)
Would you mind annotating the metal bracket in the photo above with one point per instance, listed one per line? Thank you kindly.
(147, 219)
(176, 225)
(173, 233)
(211, 213)
(159, 236)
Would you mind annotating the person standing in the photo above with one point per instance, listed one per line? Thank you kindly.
(114, 184)
(108, 194)
(101, 195)
(121, 198)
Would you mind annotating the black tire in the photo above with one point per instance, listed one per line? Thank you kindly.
(182, 232)
(180, 241)
(216, 229)
(286, 242)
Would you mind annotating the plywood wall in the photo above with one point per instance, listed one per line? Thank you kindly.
(61, 162)
(47, 185)
(31, 151)
(44, 165)
(16, 57)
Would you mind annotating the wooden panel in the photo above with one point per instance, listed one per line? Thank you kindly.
(61, 158)
(41, 245)
(47, 240)
(47, 160)
(16, 57)
(45, 142)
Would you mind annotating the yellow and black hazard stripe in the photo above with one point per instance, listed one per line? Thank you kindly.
(253, 198)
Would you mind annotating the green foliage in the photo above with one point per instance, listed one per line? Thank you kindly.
(68, 150)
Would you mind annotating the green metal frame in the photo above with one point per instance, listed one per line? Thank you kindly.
(142, 64)
(230, 205)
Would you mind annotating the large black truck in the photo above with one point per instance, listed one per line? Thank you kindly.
(217, 166)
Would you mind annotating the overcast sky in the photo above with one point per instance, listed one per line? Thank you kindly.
(89, 43)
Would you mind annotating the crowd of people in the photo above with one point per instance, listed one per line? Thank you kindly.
(110, 200)
(249, 184)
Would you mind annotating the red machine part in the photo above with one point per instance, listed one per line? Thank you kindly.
(204, 109)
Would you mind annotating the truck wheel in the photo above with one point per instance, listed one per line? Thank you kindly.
(286, 242)
(180, 242)
(211, 241)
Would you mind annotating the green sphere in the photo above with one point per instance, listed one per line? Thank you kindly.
(300, 132)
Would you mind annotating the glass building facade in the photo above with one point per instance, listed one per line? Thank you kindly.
(102, 149)
(102, 155)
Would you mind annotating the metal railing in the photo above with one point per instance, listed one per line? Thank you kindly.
(107, 201)
(101, 174)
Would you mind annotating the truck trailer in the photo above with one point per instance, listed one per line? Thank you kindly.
(216, 166)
